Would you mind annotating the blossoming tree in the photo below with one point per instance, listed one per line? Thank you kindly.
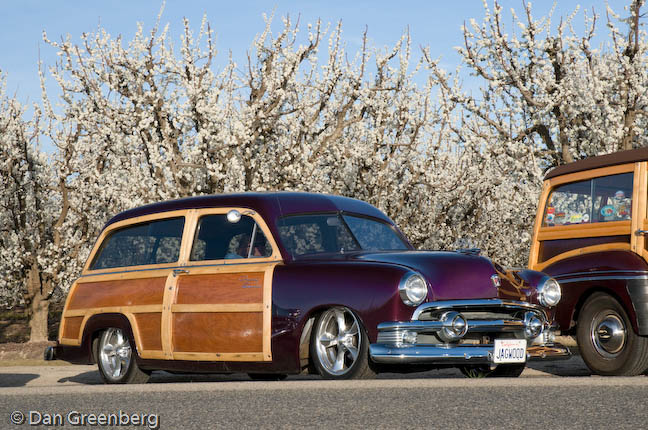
(141, 121)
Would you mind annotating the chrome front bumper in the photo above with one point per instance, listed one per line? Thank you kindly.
(485, 319)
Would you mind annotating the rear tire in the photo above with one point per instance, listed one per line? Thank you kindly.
(606, 339)
(116, 359)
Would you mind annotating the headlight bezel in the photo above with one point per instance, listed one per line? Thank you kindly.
(549, 292)
(413, 288)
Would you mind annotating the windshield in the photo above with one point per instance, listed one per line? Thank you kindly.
(332, 233)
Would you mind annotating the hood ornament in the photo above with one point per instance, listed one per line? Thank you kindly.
(469, 251)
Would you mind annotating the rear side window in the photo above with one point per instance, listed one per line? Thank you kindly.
(316, 234)
(154, 242)
(218, 239)
(608, 198)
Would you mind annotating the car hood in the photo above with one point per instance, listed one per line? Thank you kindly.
(451, 275)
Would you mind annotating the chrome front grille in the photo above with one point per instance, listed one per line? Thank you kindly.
(463, 332)
(485, 320)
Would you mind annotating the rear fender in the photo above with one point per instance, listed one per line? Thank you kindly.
(99, 322)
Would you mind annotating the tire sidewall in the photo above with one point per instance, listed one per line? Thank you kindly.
(361, 363)
(599, 364)
(132, 366)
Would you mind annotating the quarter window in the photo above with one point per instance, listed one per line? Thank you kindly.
(604, 199)
(218, 239)
(374, 236)
(155, 242)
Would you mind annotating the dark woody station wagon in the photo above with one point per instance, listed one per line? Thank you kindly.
(590, 234)
(278, 283)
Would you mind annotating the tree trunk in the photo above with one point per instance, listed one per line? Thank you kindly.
(38, 308)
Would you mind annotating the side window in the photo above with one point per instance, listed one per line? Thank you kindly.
(608, 198)
(613, 197)
(315, 234)
(217, 239)
(374, 235)
(154, 242)
(303, 238)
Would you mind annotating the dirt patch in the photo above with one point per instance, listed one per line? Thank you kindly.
(23, 351)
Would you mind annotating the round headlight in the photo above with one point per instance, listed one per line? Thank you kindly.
(412, 289)
(549, 292)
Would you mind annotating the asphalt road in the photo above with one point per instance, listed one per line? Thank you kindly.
(556, 395)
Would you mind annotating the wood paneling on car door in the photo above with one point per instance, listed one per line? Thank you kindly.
(221, 312)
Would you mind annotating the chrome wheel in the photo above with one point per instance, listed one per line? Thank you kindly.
(608, 333)
(338, 341)
(115, 354)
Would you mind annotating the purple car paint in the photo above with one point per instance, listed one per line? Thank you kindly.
(468, 306)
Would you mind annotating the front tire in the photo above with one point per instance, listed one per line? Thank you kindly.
(339, 347)
(607, 342)
(116, 360)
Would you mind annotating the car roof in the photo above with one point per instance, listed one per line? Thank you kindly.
(270, 205)
(616, 158)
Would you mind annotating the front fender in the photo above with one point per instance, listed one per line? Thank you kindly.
(302, 290)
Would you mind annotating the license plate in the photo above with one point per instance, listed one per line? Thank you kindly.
(509, 351)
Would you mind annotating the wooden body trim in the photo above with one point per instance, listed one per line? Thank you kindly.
(125, 223)
(580, 251)
(169, 306)
(639, 198)
(589, 174)
(227, 307)
(600, 229)
(575, 231)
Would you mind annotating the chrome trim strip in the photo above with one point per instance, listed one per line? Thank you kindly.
(598, 278)
(418, 326)
(475, 303)
(497, 326)
(474, 326)
(127, 271)
(460, 354)
(227, 263)
(430, 354)
(645, 272)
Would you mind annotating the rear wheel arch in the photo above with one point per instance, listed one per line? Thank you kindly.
(97, 323)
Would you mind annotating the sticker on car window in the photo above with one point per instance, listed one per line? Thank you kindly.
(608, 211)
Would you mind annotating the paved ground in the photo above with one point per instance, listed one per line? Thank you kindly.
(58, 375)
(560, 395)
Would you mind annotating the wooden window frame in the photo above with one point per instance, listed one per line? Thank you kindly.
(599, 229)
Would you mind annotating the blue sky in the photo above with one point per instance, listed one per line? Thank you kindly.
(431, 23)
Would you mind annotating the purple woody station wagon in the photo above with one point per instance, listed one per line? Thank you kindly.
(279, 283)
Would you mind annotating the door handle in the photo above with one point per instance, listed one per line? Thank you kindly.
(177, 272)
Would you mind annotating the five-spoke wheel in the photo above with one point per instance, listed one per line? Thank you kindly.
(116, 360)
(339, 345)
